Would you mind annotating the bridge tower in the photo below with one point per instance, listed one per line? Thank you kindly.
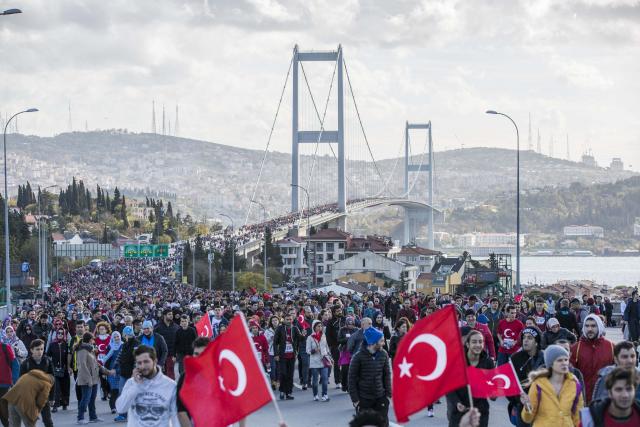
(322, 136)
(413, 217)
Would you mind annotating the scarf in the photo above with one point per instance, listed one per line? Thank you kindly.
(317, 335)
(6, 340)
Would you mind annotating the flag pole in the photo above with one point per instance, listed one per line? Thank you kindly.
(470, 396)
(273, 396)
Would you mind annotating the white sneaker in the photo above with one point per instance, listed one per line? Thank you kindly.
(316, 398)
(325, 398)
(430, 413)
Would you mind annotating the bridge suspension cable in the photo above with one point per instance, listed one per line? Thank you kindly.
(266, 150)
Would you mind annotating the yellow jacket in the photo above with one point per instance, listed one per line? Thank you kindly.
(551, 410)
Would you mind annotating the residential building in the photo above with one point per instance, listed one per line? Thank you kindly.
(293, 261)
(381, 266)
(446, 274)
(422, 258)
(329, 246)
(583, 231)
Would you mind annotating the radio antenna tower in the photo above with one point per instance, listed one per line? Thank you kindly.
(176, 124)
(539, 143)
(153, 116)
(164, 129)
(70, 125)
(568, 152)
(551, 146)
(530, 143)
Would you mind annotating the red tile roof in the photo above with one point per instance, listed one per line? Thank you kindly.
(417, 250)
(329, 234)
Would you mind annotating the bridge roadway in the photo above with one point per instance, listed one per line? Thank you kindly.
(253, 246)
(304, 412)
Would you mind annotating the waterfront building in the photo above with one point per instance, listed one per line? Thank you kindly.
(583, 231)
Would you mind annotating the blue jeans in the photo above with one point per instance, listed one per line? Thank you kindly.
(274, 369)
(89, 393)
(324, 378)
(303, 367)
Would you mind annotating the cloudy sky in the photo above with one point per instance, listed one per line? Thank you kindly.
(572, 64)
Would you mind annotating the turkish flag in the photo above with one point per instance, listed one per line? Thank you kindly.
(501, 381)
(203, 327)
(429, 363)
(226, 382)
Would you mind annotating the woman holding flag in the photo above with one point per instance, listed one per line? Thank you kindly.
(458, 401)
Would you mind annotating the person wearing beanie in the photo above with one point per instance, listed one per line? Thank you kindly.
(555, 396)
(556, 332)
(370, 375)
(592, 352)
(151, 339)
(528, 359)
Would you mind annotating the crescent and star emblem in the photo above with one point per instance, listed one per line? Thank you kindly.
(206, 331)
(507, 381)
(441, 358)
(508, 333)
(229, 355)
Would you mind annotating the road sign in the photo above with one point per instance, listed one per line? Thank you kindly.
(146, 251)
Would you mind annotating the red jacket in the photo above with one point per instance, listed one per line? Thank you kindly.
(262, 348)
(589, 356)
(488, 339)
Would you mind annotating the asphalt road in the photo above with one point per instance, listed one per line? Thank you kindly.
(304, 412)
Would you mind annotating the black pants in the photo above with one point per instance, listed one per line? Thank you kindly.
(46, 415)
(344, 372)
(77, 387)
(104, 385)
(634, 329)
(287, 368)
(380, 405)
(335, 355)
(63, 389)
(113, 396)
(3, 418)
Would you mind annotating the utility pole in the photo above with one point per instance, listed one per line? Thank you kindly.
(193, 266)
(210, 257)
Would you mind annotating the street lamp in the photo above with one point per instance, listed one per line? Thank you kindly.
(233, 253)
(264, 219)
(42, 252)
(7, 257)
(308, 233)
(518, 288)
(11, 12)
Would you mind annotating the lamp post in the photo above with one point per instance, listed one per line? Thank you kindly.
(264, 220)
(7, 257)
(308, 233)
(210, 258)
(42, 252)
(233, 253)
(518, 287)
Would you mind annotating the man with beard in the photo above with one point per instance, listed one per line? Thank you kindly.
(619, 408)
(592, 352)
(168, 328)
(148, 397)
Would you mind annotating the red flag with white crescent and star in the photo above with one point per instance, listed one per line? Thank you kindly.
(225, 383)
(497, 382)
(429, 363)
(203, 327)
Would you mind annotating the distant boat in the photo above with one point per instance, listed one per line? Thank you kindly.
(581, 253)
(542, 253)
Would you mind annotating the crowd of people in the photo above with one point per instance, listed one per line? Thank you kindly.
(120, 332)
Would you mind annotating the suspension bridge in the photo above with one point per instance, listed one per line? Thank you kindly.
(333, 168)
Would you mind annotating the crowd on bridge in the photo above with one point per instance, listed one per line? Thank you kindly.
(251, 232)
(114, 331)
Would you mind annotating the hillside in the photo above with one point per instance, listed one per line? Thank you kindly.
(207, 177)
(614, 206)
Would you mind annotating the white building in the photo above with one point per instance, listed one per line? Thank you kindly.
(488, 239)
(292, 252)
(422, 258)
(382, 266)
(329, 247)
(583, 231)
